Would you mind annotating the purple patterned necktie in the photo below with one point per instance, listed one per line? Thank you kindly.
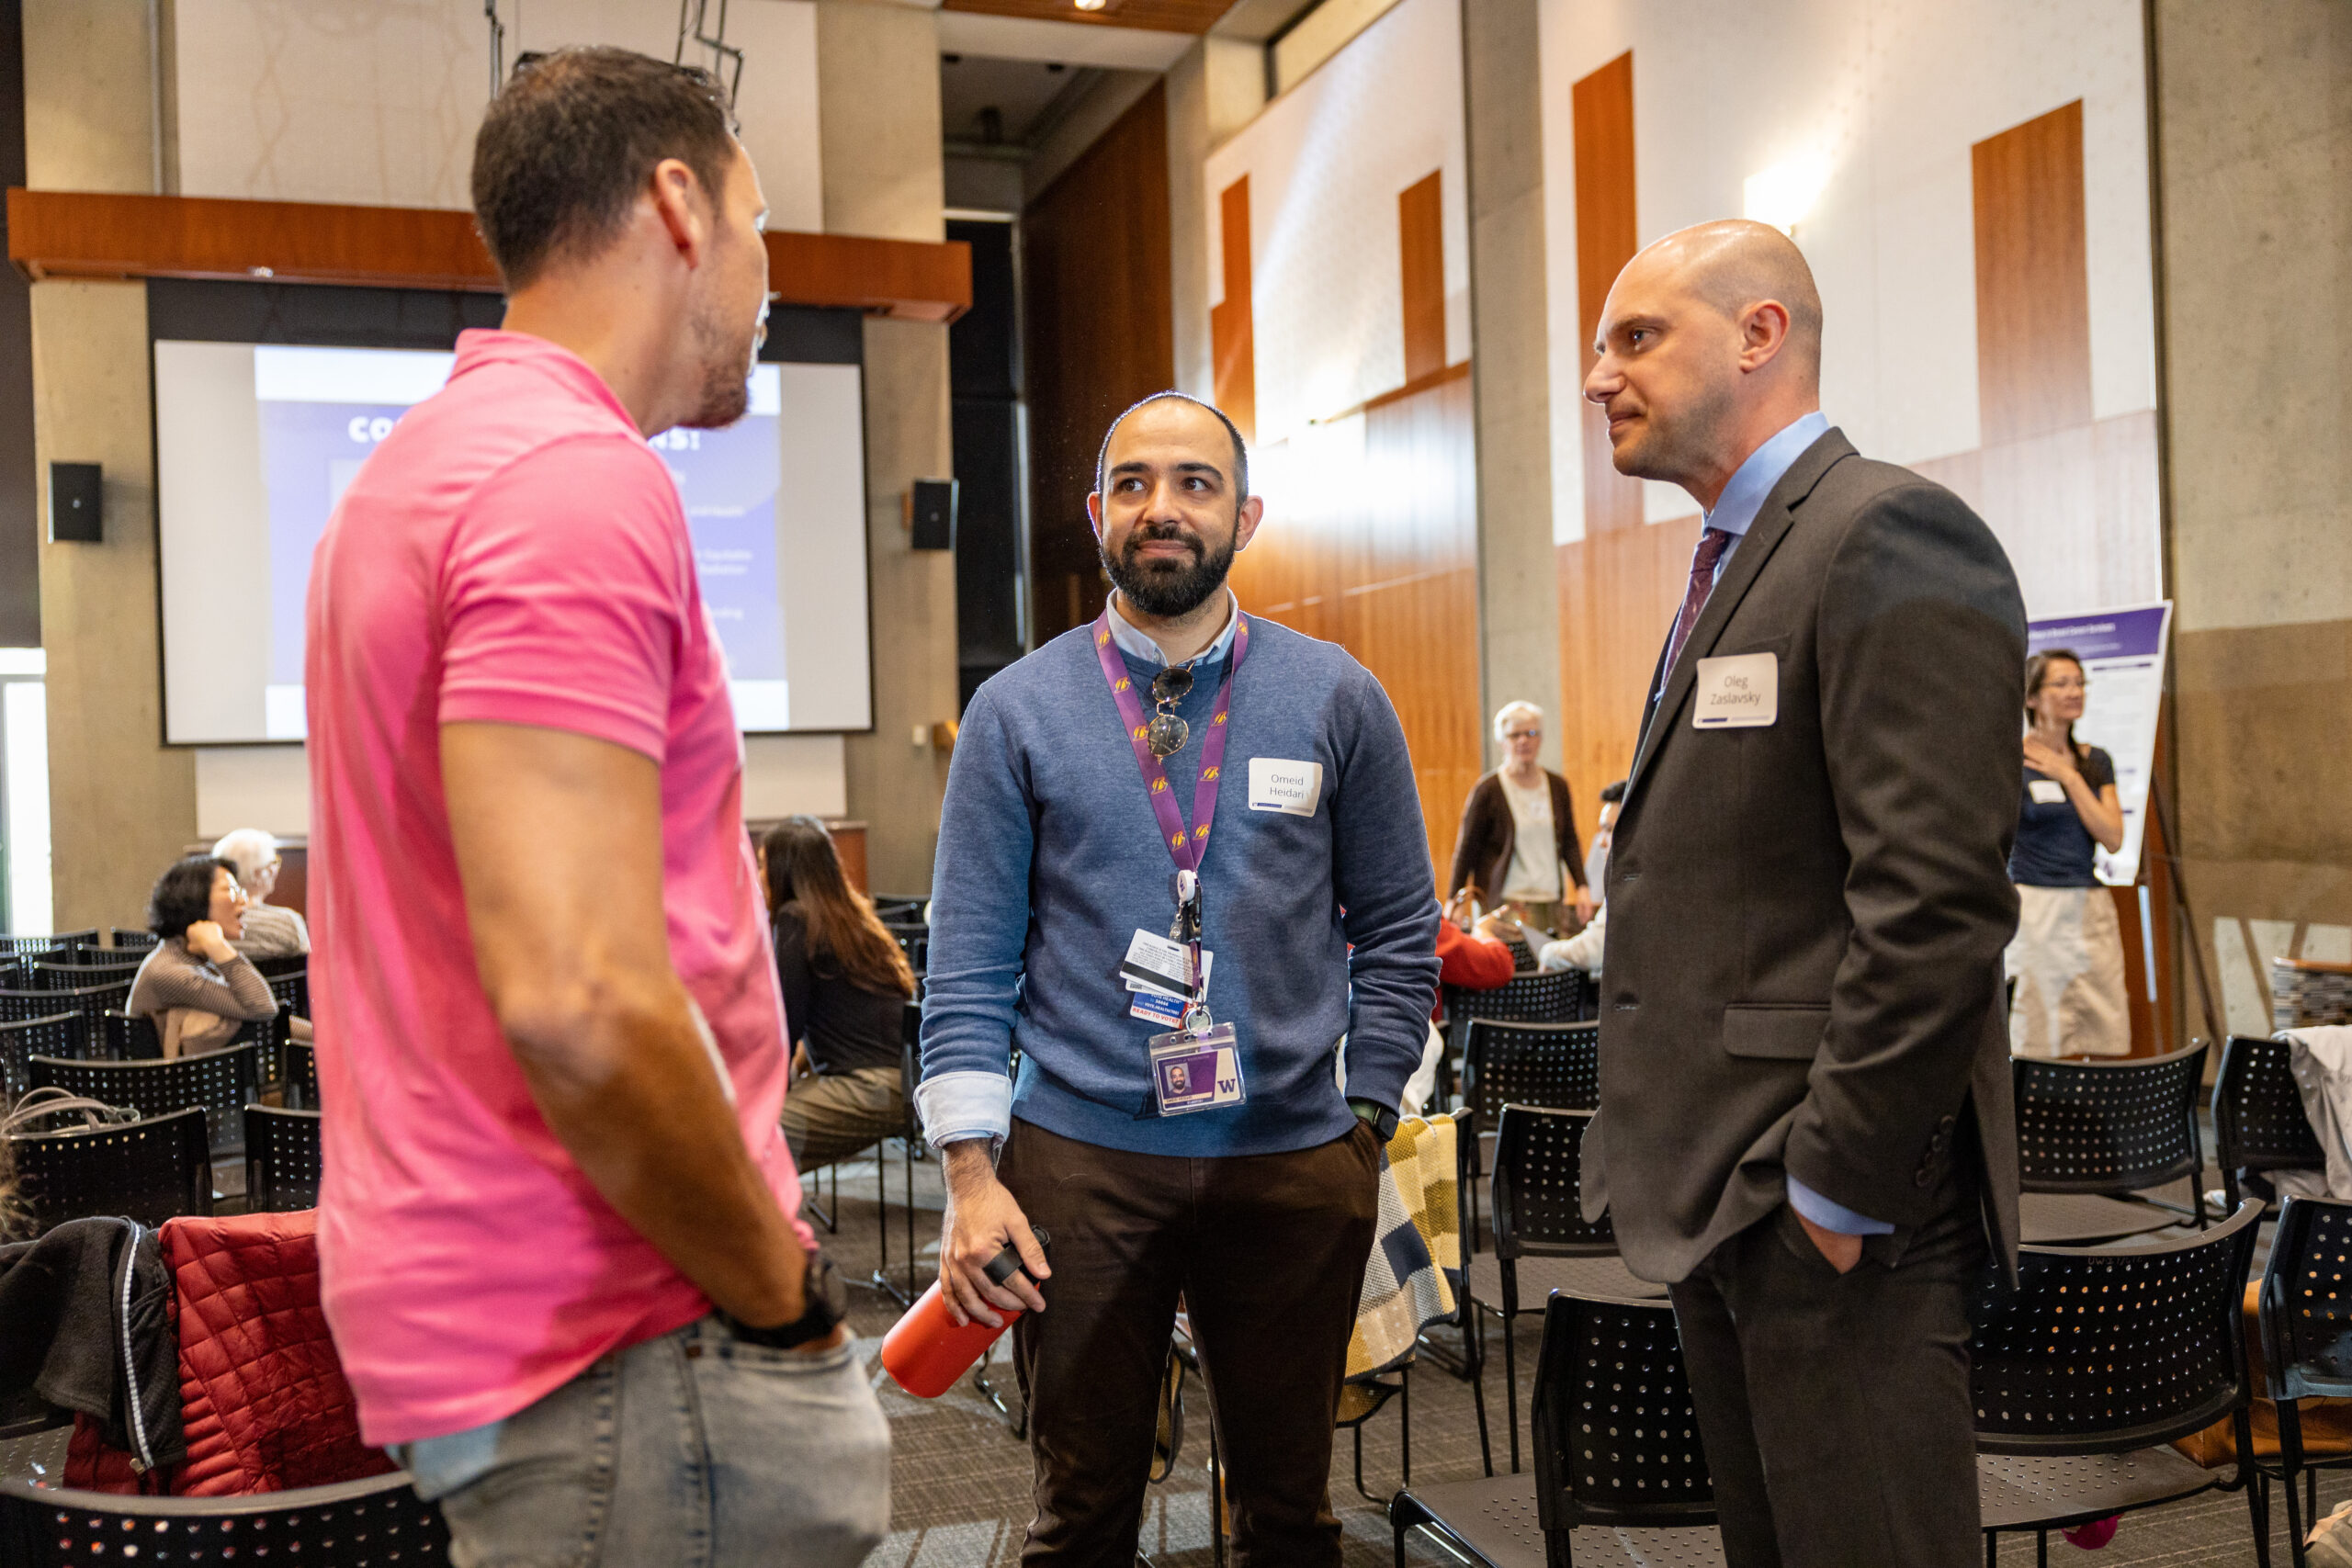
(1712, 545)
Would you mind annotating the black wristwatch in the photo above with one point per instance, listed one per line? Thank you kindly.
(828, 1303)
(1381, 1119)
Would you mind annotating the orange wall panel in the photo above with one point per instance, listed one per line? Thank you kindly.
(2033, 312)
(1602, 110)
(1422, 236)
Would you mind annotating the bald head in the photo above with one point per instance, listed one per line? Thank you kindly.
(1710, 345)
(1735, 264)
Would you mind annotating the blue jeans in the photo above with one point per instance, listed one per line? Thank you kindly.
(689, 1450)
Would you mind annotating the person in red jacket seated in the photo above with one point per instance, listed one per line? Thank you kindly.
(1479, 959)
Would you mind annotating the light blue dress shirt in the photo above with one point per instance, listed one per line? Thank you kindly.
(1734, 512)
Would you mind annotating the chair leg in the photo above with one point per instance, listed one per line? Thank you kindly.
(2257, 1505)
(1477, 1328)
(2041, 1549)
(913, 1262)
(2294, 1521)
(1405, 1416)
(1511, 1376)
(1991, 1548)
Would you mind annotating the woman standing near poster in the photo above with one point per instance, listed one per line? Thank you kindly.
(2067, 957)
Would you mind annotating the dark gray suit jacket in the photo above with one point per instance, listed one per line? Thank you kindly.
(1806, 920)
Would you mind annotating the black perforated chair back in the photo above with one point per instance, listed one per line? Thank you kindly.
(221, 1082)
(130, 1039)
(302, 1072)
(1522, 956)
(148, 1169)
(2107, 1126)
(376, 1523)
(2258, 1118)
(2106, 1351)
(292, 990)
(1616, 1439)
(36, 946)
(282, 1162)
(59, 1035)
(130, 941)
(1539, 1163)
(1537, 996)
(2306, 1312)
(89, 1003)
(281, 963)
(1551, 1065)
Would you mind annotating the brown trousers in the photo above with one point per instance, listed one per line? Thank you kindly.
(1268, 1252)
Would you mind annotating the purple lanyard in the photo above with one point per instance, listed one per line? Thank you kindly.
(1184, 848)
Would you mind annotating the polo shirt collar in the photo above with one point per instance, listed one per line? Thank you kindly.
(478, 346)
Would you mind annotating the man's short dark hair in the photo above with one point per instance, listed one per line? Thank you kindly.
(183, 895)
(568, 145)
(1612, 794)
(1241, 451)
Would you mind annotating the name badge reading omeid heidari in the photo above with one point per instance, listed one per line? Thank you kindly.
(1296, 789)
(1739, 691)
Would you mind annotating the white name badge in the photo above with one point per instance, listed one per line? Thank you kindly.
(1197, 1072)
(2046, 792)
(1741, 691)
(1295, 789)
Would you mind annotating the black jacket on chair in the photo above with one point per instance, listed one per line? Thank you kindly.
(1806, 919)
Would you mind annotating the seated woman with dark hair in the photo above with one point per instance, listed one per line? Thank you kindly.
(845, 987)
(194, 984)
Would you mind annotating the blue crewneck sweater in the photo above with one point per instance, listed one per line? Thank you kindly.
(1050, 858)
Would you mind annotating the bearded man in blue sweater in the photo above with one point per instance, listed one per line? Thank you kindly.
(1181, 862)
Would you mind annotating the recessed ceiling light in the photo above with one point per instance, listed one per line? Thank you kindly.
(1089, 5)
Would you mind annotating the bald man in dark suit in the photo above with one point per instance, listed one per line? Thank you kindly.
(1806, 1129)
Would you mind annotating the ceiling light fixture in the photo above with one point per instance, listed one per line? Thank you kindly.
(1090, 4)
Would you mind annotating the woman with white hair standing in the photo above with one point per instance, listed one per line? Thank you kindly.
(270, 931)
(1518, 842)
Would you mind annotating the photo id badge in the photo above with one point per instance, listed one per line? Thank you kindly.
(1197, 1072)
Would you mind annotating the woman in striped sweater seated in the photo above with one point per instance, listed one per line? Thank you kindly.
(194, 984)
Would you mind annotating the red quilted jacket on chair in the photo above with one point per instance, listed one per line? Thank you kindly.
(262, 1393)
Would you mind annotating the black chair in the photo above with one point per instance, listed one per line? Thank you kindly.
(130, 1039)
(899, 908)
(1616, 1446)
(221, 1082)
(302, 1074)
(1551, 1065)
(149, 1170)
(1522, 956)
(913, 939)
(78, 966)
(131, 941)
(2306, 1325)
(13, 977)
(2084, 1374)
(281, 964)
(2090, 1134)
(90, 1003)
(282, 1163)
(292, 990)
(59, 1035)
(379, 1522)
(1542, 1238)
(37, 946)
(2260, 1124)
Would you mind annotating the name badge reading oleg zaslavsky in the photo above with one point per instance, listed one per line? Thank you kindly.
(1739, 691)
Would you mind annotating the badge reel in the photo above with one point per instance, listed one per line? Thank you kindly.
(1198, 1065)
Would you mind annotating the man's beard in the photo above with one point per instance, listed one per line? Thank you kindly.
(1168, 589)
(726, 357)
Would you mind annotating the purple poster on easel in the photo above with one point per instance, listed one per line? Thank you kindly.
(2122, 654)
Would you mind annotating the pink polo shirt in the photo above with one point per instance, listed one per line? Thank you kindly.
(513, 552)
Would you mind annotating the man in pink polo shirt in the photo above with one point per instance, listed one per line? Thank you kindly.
(556, 1238)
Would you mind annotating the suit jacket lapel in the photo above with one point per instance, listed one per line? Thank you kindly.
(1764, 535)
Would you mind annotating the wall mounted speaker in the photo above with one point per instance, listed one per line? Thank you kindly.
(74, 510)
(931, 515)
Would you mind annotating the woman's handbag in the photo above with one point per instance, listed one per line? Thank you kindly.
(23, 1120)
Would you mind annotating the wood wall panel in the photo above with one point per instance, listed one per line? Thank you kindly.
(1607, 237)
(1157, 15)
(1379, 556)
(1099, 320)
(2033, 334)
(1422, 245)
(1619, 591)
(84, 235)
(1233, 343)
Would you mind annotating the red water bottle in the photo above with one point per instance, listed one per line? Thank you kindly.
(926, 1351)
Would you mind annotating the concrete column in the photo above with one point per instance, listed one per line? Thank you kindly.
(1216, 89)
(877, 88)
(1519, 593)
(121, 804)
(2255, 145)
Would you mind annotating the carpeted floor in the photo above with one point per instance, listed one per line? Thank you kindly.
(961, 1478)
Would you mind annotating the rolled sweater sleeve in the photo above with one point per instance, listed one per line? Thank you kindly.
(1385, 884)
(980, 924)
